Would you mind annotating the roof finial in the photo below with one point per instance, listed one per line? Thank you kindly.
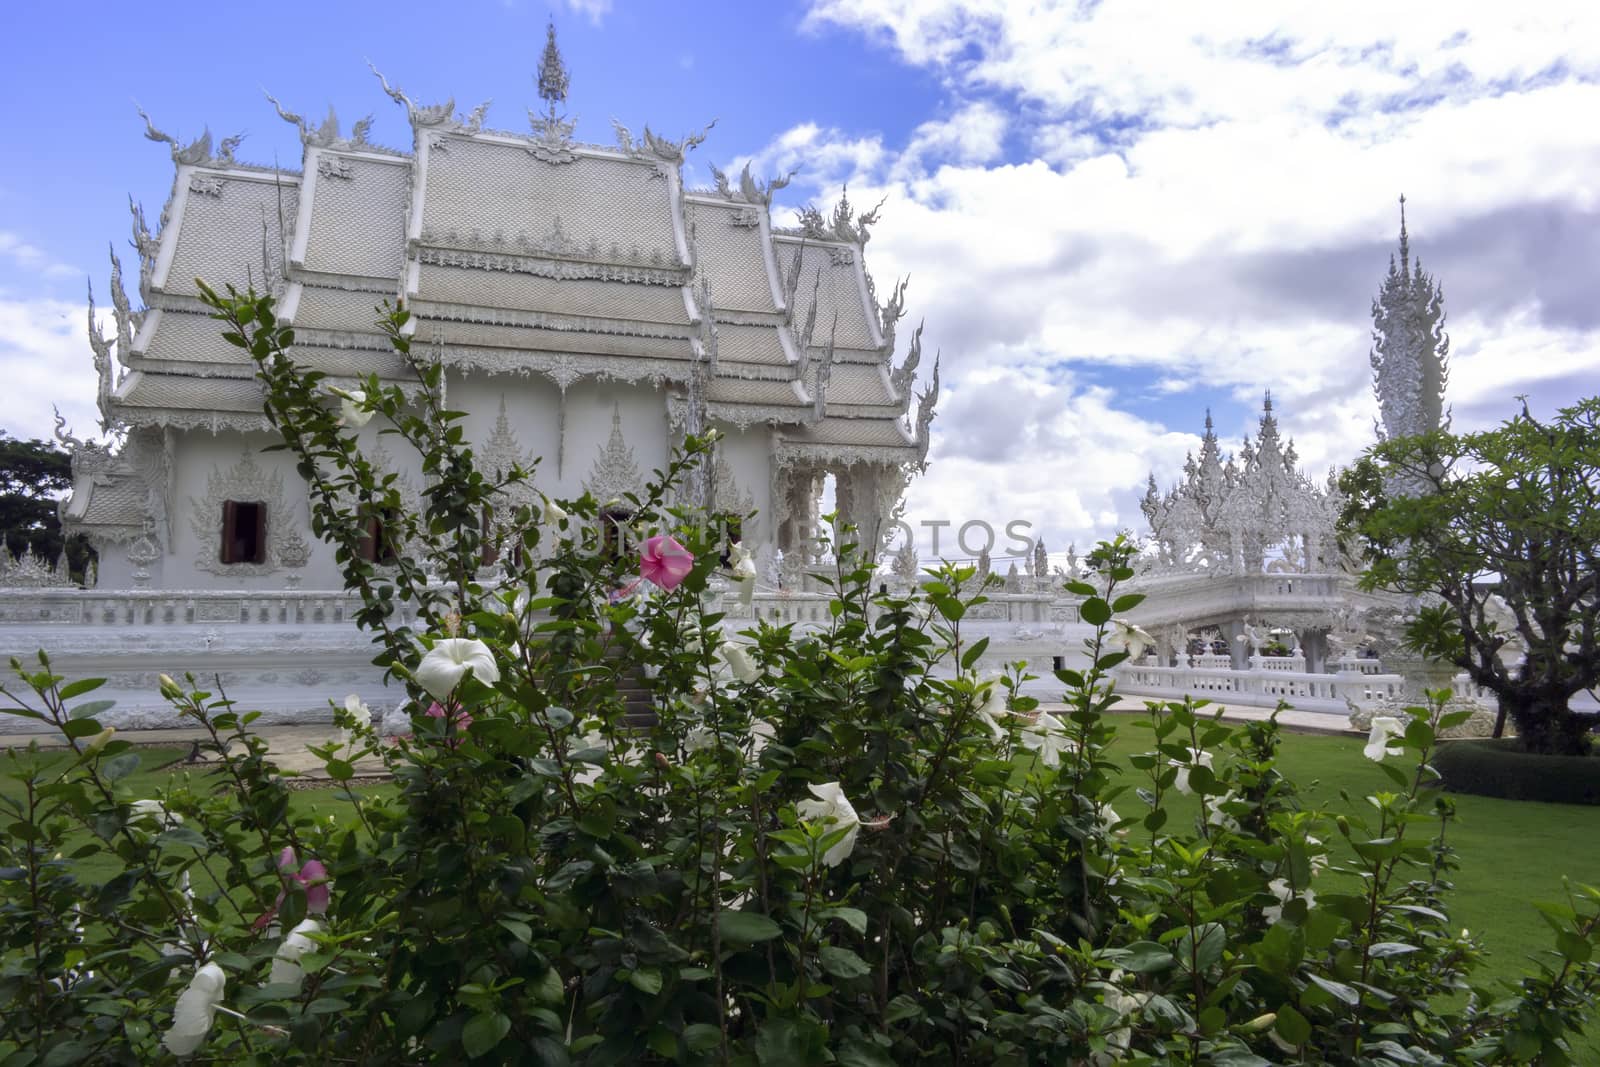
(1267, 404)
(1208, 418)
(1405, 240)
(553, 79)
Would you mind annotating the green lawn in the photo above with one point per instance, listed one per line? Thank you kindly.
(1511, 852)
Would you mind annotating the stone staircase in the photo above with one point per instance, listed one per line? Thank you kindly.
(634, 688)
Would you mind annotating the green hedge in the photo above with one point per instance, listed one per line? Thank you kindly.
(1503, 769)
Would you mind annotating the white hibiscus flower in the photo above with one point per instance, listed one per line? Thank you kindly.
(196, 1011)
(1383, 728)
(449, 660)
(834, 809)
(1047, 735)
(286, 961)
(1197, 757)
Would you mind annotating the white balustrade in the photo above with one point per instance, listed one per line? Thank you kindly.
(1359, 664)
(149, 607)
(1309, 692)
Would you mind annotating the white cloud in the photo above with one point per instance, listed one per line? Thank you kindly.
(32, 258)
(44, 349)
(1209, 207)
(593, 10)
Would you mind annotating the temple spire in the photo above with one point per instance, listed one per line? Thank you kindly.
(553, 77)
(1410, 349)
(1405, 240)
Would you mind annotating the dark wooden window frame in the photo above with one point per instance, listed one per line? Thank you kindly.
(244, 531)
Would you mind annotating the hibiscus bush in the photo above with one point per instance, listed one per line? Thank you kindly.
(837, 844)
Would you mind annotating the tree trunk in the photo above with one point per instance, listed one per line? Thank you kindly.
(1545, 724)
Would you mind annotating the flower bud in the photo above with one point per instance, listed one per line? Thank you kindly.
(1261, 1022)
(99, 741)
(170, 688)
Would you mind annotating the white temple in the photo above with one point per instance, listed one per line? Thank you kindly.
(581, 298)
(588, 308)
(1248, 594)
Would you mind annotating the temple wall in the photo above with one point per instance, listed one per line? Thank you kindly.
(532, 406)
(198, 457)
(589, 408)
(748, 453)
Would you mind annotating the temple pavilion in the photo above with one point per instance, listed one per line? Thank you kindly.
(588, 307)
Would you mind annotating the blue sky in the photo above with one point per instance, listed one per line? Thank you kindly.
(1114, 215)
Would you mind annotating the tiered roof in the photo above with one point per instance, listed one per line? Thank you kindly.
(519, 253)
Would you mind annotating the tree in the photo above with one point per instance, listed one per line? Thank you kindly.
(1504, 531)
(33, 476)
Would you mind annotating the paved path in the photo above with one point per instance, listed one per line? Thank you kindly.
(290, 745)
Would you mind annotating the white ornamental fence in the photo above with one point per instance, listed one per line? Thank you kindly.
(1334, 693)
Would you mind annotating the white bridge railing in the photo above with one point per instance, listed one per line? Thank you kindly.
(158, 607)
(1263, 688)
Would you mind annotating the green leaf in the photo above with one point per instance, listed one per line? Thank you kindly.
(859, 1052)
(747, 927)
(1146, 957)
(1126, 602)
(483, 1032)
(974, 653)
(1386, 949)
(854, 918)
(1095, 611)
(80, 687)
(1573, 946)
(842, 962)
(701, 1037)
(1337, 989)
(121, 766)
(1201, 948)
(646, 980)
(901, 1008)
(1291, 1025)
(180, 836)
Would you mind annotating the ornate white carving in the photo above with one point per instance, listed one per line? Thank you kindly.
(728, 495)
(566, 367)
(561, 270)
(29, 571)
(142, 553)
(750, 191)
(336, 167)
(206, 185)
(243, 481)
(196, 153)
(845, 224)
(327, 134)
(748, 218)
(615, 472)
(651, 146)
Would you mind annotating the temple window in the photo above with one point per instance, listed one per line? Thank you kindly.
(730, 527)
(614, 540)
(378, 538)
(488, 552)
(244, 531)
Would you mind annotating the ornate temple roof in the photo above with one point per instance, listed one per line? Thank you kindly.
(1243, 513)
(518, 253)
